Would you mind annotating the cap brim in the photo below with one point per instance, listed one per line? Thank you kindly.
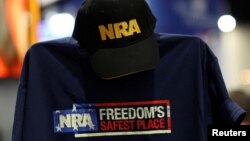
(116, 62)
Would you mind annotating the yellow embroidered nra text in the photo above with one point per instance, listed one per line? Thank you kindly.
(119, 30)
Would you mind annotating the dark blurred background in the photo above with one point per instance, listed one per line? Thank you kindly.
(224, 25)
(240, 10)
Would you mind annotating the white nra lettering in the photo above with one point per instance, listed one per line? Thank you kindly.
(119, 30)
(75, 120)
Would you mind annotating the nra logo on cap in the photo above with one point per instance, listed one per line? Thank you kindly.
(119, 30)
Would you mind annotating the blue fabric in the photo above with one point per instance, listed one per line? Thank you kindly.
(57, 76)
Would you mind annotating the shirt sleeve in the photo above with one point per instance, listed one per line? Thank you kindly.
(19, 113)
(20, 103)
(224, 110)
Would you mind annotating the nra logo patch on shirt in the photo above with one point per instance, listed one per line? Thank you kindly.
(114, 119)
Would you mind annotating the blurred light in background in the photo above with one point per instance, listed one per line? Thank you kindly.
(18, 28)
(61, 24)
(58, 25)
(245, 77)
(226, 23)
(47, 2)
(187, 16)
(58, 19)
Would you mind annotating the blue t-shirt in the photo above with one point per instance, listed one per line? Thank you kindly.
(60, 98)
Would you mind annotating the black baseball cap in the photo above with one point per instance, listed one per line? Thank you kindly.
(118, 36)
